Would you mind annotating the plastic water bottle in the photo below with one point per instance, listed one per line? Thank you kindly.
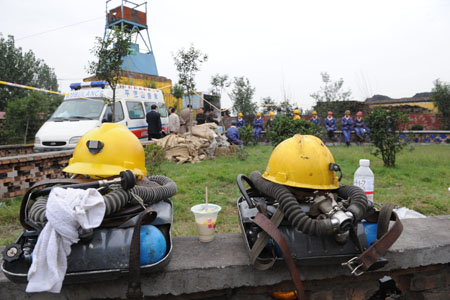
(364, 178)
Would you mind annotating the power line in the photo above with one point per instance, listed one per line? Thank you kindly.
(58, 28)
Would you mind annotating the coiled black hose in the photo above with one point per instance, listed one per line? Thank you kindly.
(37, 211)
(117, 199)
(167, 189)
(291, 208)
(358, 200)
(297, 217)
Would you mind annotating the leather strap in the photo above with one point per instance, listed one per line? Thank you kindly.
(272, 230)
(134, 278)
(261, 243)
(40, 184)
(380, 247)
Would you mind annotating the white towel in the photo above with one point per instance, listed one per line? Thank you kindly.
(67, 210)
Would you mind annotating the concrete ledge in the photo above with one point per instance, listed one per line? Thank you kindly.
(223, 265)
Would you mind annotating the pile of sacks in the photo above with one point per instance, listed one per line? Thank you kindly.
(205, 141)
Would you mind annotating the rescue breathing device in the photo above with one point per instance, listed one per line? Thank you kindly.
(297, 211)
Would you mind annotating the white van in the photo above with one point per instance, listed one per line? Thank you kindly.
(85, 108)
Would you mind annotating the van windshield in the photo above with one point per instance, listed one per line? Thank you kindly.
(78, 109)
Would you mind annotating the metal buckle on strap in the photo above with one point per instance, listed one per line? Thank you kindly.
(351, 264)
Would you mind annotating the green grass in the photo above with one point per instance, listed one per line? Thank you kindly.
(420, 181)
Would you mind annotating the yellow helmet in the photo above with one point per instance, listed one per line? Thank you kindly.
(271, 113)
(314, 112)
(258, 114)
(296, 112)
(106, 151)
(240, 114)
(302, 161)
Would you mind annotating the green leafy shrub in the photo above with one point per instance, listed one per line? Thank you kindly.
(247, 135)
(155, 156)
(283, 127)
(417, 127)
(385, 130)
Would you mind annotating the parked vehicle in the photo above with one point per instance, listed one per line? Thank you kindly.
(85, 108)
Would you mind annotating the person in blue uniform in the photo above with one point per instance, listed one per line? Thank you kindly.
(240, 121)
(330, 125)
(258, 124)
(233, 134)
(359, 125)
(315, 119)
(347, 126)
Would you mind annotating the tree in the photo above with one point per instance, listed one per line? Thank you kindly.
(441, 98)
(385, 130)
(284, 127)
(287, 108)
(26, 115)
(110, 52)
(219, 83)
(177, 91)
(268, 105)
(188, 64)
(26, 69)
(242, 95)
(331, 97)
(331, 91)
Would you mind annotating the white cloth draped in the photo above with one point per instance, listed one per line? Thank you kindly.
(67, 211)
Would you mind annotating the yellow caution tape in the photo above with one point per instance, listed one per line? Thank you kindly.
(31, 88)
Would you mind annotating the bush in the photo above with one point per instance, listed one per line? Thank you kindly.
(385, 130)
(247, 136)
(417, 127)
(283, 127)
(155, 156)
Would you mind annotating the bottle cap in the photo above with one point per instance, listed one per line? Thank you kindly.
(364, 162)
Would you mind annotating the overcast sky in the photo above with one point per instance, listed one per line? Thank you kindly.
(395, 48)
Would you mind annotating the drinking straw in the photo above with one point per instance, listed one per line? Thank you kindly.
(206, 198)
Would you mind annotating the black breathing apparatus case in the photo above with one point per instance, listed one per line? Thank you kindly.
(103, 255)
(305, 249)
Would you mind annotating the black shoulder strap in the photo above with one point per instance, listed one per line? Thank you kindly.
(134, 277)
(263, 222)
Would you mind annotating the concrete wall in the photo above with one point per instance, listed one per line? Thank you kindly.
(418, 262)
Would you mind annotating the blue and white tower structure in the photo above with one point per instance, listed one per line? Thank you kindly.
(132, 17)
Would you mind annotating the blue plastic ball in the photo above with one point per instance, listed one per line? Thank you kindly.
(371, 232)
(153, 245)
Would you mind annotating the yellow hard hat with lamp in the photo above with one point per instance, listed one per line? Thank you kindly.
(302, 161)
(106, 151)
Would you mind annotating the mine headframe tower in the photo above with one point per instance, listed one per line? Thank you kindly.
(132, 17)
